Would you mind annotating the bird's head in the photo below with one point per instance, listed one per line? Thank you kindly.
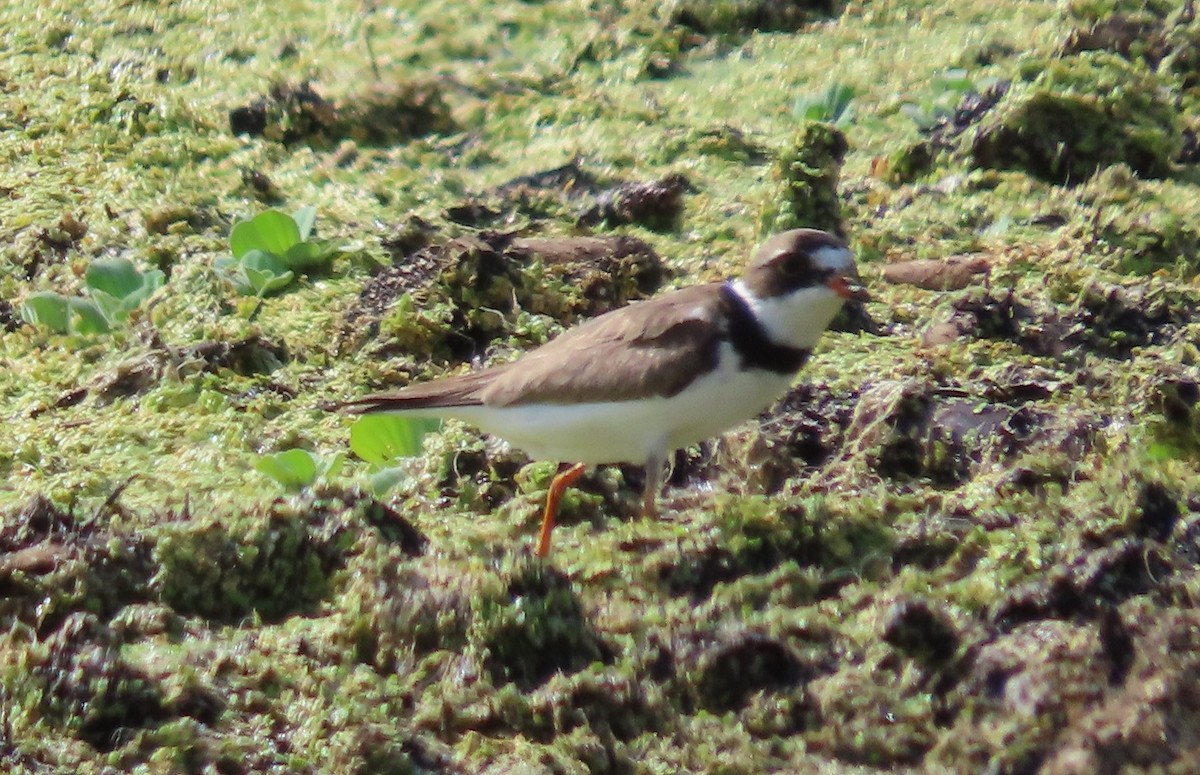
(797, 281)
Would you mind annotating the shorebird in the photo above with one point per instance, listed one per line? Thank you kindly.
(637, 383)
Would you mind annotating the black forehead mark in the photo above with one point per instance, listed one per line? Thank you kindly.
(752, 343)
(783, 274)
(784, 263)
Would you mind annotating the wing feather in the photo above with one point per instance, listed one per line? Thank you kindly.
(648, 348)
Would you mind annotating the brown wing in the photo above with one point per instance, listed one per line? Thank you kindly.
(463, 390)
(649, 348)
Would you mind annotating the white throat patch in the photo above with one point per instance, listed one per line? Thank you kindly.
(796, 319)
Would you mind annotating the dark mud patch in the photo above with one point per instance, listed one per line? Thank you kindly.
(1110, 321)
(1157, 700)
(1163, 36)
(941, 136)
(656, 204)
(571, 192)
(1070, 693)
(490, 473)
(606, 703)
(473, 286)
(909, 429)
(801, 433)
(1082, 587)
(380, 115)
(918, 630)
(712, 17)
(393, 527)
(730, 671)
(570, 179)
(386, 114)
(9, 319)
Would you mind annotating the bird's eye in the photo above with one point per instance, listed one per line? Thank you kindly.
(794, 265)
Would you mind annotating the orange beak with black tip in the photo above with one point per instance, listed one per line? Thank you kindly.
(848, 286)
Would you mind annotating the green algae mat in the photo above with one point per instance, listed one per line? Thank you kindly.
(966, 541)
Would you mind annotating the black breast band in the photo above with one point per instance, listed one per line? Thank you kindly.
(750, 340)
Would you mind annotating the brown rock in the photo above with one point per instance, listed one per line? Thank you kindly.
(951, 274)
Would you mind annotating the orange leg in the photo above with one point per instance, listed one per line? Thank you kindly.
(562, 480)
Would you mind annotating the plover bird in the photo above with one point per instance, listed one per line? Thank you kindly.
(637, 383)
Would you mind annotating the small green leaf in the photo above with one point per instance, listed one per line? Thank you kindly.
(118, 287)
(65, 315)
(307, 254)
(381, 438)
(231, 268)
(112, 308)
(117, 277)
(330, 466)
(87, 318)
(152, 280)
(295, 469)
(47, 309)
(1162, 451)
(833, 105)
(305, 218)
(270, 231)
(385, 480)
(265, 273)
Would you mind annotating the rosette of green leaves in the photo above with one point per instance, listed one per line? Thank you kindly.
(114, 287)
(271, 248)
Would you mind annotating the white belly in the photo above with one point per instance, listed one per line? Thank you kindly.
(631, 431)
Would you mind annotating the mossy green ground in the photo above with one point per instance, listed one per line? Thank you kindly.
(964, 555)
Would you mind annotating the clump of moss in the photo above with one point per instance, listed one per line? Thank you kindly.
(56, 563)
(804, 544)
(289, 113)
(1145, 239)
(908, 163)
(655, 204)
(1092, 11)
(852, 704)
(395, 610)
(530, 626)
(580, 277)
(1176, 396)
(271, 565)
(809, 168)
(1069, 117)
(90, 689)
